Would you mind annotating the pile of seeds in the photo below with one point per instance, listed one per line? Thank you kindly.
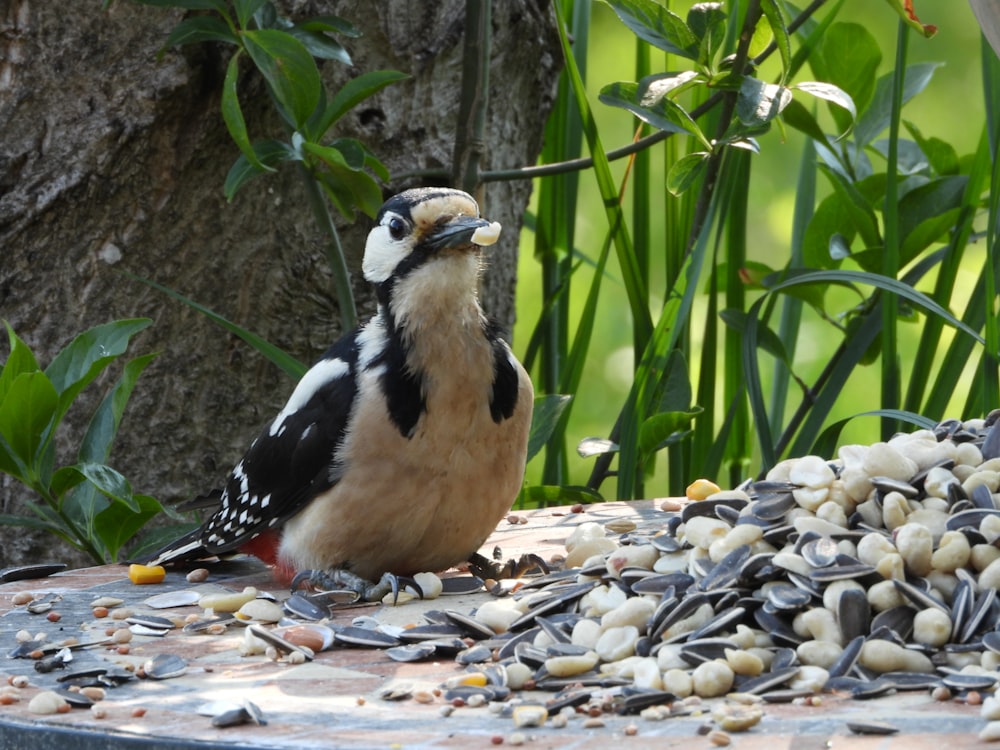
(873, 572)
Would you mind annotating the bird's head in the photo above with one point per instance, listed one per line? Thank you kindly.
(426, 238)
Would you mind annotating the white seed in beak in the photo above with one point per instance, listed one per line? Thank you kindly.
(487, 235)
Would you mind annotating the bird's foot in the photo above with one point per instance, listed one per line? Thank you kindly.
(339, 579)
(494, 569)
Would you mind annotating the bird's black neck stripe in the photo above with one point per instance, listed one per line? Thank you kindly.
(402, 387)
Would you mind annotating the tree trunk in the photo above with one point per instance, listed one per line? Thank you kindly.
(113, 161)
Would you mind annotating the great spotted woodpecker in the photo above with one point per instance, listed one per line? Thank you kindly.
(404, 445)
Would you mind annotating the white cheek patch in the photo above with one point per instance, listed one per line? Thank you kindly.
(487, 235)
(382, 255)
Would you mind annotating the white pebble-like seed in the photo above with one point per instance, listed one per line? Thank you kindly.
(678, 682)
(952, 553)
(990, 710)
(646, 674)
(569, 666)
(886, 656)
(517, 675)
(895, 510)
(836, 589)
(47, 702)
(227, 601)
(991, 732)
(809, 678)
(586, 632)
(744, 662)
(430, 585)
(883, 460)
(818, 653)
(529, 715)
(617, 643)
(916, 546)
(634, 611)
(261, 610)
(588, 548)
(932, 626)
(821, 624)
(812, 472)
(712, 678)
(602, 599)
(498, 614)
(632, 556)
(701, 531)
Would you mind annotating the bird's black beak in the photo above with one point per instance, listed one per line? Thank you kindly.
(456, 233)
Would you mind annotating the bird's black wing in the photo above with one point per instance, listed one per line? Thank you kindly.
(293, 458)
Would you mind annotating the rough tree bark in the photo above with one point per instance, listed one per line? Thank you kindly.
(113, 160)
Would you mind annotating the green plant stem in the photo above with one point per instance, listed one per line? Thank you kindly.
(334, 252)
(890, 257)
(470, 143)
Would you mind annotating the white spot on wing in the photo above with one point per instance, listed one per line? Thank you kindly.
(323, 372)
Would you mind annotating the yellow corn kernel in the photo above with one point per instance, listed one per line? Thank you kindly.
(140, 574)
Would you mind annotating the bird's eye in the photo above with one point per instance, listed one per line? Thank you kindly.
(397, 228)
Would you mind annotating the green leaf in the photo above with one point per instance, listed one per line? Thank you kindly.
(245, 10)
(115, 525)
(850, 58)
(766, 338)
(797, 116)
(927, 213)
(655, 24)
(65, 479)
(832, 94)
(283, 360)
(349, 96)
(876, 117)
(289, 70)
(96, 444)
(545, 495)
(200, 29)
(109, 483)
(656, 431)
(20, 360)
(862, 215)
(707, 22)
(832, 217)
(758, 103)
(349, 188)
(659, 111)
(941, 154)
(548, 410)
(86, 356)
(232, 114)
(27, 414)
(772, 12)
(320, 45)
(686, 171)
(29, 522)
(331, 23)
(269, 154)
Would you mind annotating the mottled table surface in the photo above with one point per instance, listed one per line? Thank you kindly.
(333, 701)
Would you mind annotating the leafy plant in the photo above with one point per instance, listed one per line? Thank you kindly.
(284, 53)
(899, 210)
(88, 503)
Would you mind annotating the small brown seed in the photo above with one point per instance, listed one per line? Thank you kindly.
(719, 738)
(631, 730)
(53, 617)
(941, 693)
(100, 612)
(138, 712)
(198, 575)
(18, 680)
(576, 508)
(496, 739)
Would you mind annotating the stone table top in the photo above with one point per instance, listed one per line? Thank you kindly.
(334, 700)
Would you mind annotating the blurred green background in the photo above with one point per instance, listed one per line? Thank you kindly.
(951, 108)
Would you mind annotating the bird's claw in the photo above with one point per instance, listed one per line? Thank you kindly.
(493, 569)
(341, 579)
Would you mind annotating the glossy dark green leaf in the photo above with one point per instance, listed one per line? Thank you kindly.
(320, 45)
(65, 479)
(116, 524)
(289, 70)
(860, 210)
(245, 10)
(759, 102)
(269, 154)
(686, 171)
(799, 117)
(21, 359)
(549, 409)
(200, 29)
(232, 114)
(350, 189)
(655, 24)
(109, 483)
(28, 413)
(96, 444)
(707, 22)
(663, 113)
(331, 23)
